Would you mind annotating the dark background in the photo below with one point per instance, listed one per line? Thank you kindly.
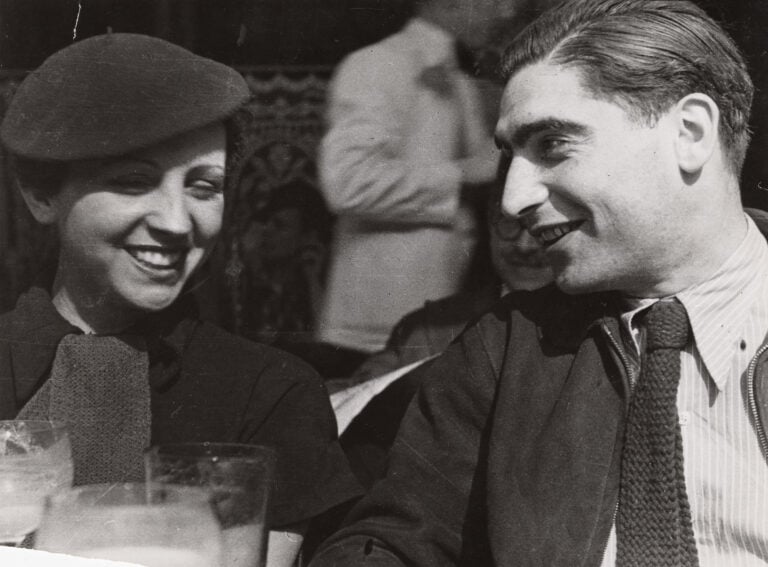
(236, 32)
(288, 33)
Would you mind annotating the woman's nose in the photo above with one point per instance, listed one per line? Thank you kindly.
(524, 191)
(170, 212)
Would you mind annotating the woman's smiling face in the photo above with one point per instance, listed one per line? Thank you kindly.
(133, 229)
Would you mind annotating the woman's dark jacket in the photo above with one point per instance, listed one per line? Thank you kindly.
(206, 385)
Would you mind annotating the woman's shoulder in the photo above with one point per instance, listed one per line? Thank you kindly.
(210, 344)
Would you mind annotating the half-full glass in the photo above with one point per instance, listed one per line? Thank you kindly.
(153, 526)
(240, 477)
(35, 461)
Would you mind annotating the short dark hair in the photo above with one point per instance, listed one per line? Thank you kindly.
(645, 55)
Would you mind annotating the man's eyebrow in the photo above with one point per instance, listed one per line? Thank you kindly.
(525, 132)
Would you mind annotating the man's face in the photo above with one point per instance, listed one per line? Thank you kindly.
(600, 191)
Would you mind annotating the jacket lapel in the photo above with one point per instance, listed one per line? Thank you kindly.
(553, 468)
(36, 329)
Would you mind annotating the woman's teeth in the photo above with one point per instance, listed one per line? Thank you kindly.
(156, 258)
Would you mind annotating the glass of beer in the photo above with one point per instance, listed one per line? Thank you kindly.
(149, 525)
(35, 461)
(240, 478)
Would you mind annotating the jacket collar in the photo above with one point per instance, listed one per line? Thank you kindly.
(37, 328)
(565, 320)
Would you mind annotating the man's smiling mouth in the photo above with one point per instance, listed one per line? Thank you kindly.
(549, 235)
(157, 257)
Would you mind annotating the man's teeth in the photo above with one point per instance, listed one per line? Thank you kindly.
(549, 235)
(156, 258)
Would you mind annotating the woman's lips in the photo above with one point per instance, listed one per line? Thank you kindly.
(157, 258)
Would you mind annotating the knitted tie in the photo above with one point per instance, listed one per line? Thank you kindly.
(653, 526)
(99, 386)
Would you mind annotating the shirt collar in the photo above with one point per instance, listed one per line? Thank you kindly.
(718, 307)
(436, 45)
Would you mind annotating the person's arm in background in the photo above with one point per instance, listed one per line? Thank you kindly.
(285, 544)
(416, 515)
(365, 172)
(407, 343)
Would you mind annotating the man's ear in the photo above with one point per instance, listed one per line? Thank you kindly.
(39, 203)
(698, 120)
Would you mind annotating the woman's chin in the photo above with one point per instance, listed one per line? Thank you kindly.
(150, 301)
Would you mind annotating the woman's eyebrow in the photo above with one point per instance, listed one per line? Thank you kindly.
(208, 168)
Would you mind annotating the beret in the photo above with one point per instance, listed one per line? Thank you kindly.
(112, 94)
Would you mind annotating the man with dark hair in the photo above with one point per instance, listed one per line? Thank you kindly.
(616, 418)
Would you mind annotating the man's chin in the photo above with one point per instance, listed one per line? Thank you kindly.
(571, 285)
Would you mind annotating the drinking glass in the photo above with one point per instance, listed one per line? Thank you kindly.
(240, 477)
(150, 525)
(35, 461)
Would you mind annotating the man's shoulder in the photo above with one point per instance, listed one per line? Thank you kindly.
(546, 313)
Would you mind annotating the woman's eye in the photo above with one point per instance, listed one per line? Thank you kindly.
(206, 188)
(133, 183)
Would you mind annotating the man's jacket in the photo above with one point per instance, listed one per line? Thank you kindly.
(510, 453)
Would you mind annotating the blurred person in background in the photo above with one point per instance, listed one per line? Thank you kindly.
(518, 264)
(285, 251)
(407, 156)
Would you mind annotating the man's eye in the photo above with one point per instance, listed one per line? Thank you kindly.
(553, 148)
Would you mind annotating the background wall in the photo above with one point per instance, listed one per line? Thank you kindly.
(287, 50)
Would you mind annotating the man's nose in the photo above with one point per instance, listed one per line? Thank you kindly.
(524, 190)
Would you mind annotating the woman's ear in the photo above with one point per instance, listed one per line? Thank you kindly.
(40, 203)
(698, 119)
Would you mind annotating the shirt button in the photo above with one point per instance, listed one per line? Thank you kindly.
(684, 418)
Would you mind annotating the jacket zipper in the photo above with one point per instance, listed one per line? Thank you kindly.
(752, 399)
(628, 370)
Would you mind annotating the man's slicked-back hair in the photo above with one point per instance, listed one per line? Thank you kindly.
(644, 55)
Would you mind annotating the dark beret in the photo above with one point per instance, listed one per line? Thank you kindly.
(112, 94)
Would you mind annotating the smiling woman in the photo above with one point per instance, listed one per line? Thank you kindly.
(133, 229)
(120, 144)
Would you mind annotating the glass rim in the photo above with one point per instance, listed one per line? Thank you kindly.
(212, 450)
(100, 493)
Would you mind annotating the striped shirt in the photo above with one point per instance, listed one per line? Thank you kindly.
(726, 473)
